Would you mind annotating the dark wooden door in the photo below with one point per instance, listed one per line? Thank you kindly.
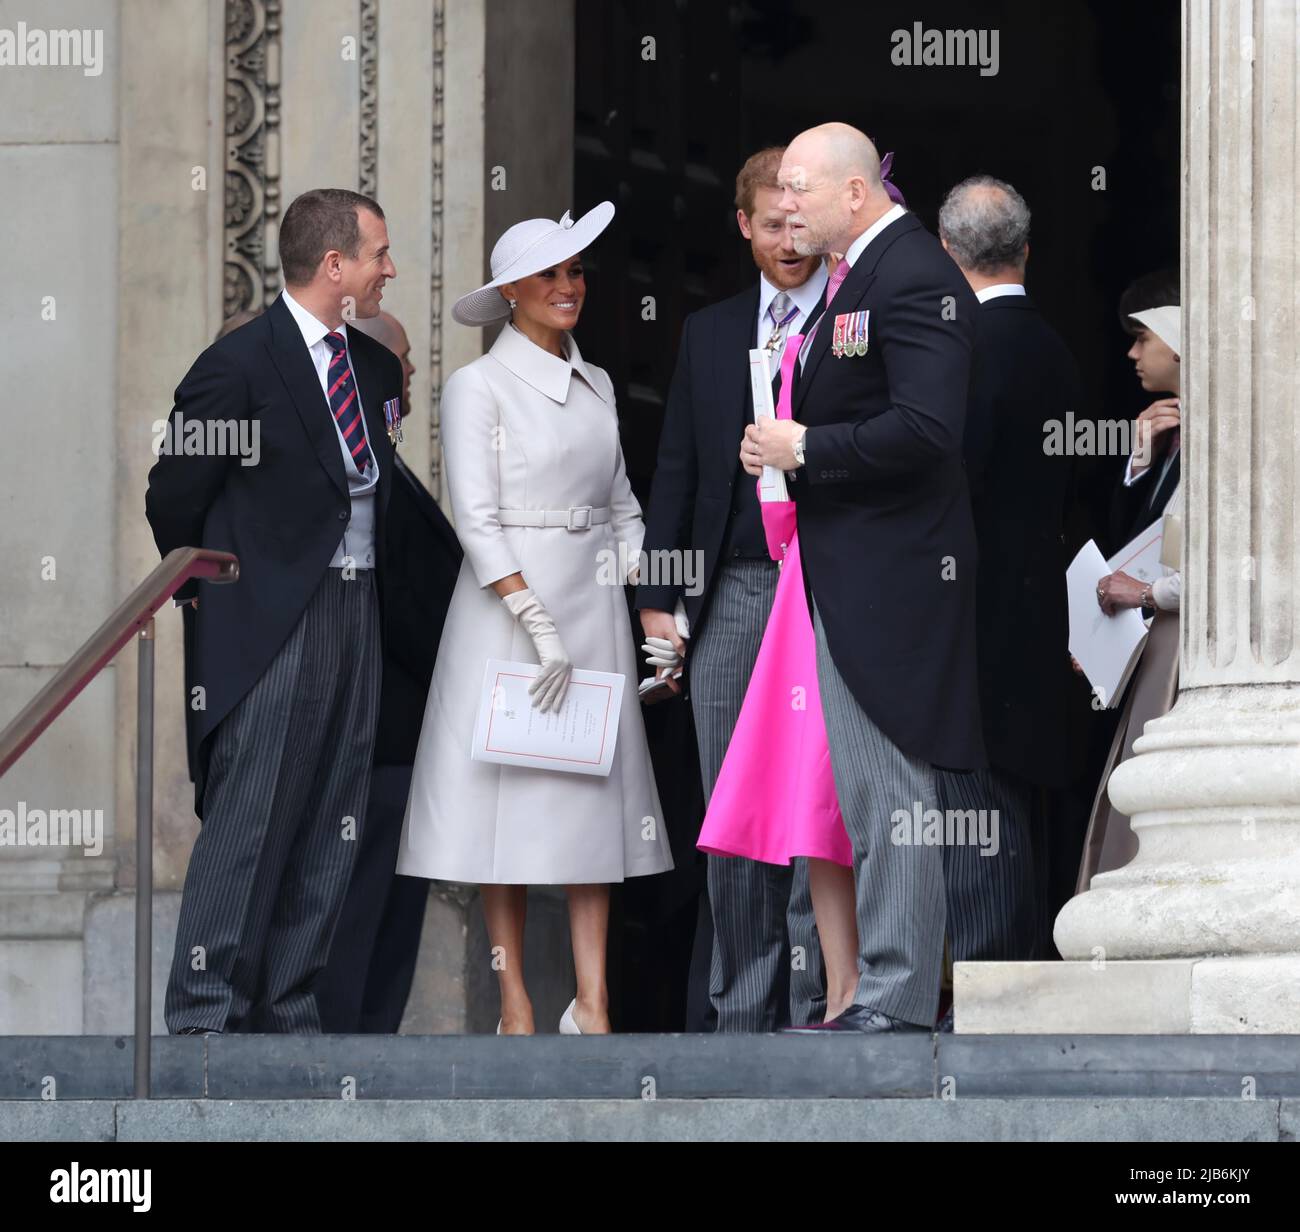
(658, 132)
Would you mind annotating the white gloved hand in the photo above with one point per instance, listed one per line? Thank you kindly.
(552, 682)
(660, 652)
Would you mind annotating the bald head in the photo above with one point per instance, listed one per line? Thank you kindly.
(238, 321)
(830, 178)
(384, 328)
(387, 330)
(841, 150)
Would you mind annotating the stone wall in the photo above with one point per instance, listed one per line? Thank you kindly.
(138, 207)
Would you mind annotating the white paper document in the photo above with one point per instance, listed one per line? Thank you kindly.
(1107, 647)
(1141, 558)
(771, 486)
(578, 738)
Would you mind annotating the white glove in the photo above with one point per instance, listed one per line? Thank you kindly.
(679, 615)
(552, 682)
(659, 651)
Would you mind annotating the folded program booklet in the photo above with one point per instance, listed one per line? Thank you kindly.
(1107, 647)
(579, 738)
(771, 487)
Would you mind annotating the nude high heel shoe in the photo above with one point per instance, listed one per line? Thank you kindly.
(568, 1024)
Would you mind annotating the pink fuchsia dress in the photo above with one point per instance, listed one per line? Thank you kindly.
(775, 795)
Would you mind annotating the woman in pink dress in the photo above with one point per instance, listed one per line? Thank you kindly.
(775, 794)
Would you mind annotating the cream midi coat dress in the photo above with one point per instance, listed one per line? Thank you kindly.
(523, 429)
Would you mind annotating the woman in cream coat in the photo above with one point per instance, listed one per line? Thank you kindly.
(541, 504)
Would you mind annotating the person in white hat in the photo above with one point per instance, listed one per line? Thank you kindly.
(541, 505)
(1150, 314)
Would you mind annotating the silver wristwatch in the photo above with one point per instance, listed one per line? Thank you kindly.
(798, 446)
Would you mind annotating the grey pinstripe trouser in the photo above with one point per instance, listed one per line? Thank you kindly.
(290, 764)
(899, 887)
(762, 913)
(992, 899)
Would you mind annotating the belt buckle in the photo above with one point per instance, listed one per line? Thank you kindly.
(585, 524)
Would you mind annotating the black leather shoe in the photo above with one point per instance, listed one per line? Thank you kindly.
(198, 1031)
(946, 1022)
(860, 1018)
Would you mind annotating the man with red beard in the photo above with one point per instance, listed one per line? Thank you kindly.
(702, 502)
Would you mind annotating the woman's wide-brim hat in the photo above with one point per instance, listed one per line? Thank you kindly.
(529, 247)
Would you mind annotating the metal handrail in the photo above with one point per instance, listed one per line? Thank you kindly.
(133, 618)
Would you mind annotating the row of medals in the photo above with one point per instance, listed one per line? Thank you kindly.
(850, 337)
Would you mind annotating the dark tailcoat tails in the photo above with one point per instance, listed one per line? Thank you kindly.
(885, 526)
(283, 517)
(1023, 377)
(366, 983)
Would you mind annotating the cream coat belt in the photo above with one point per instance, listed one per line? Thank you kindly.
(576, 517)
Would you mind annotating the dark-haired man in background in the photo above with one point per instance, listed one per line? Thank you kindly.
(286, 665)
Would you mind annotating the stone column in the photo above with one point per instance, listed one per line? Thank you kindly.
(1201, 931)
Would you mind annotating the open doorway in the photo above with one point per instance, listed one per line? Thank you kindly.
(1078, 107)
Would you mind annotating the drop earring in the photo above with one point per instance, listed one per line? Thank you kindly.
(512, 303)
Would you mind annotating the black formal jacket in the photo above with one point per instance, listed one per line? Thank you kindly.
(422, 559)
(885, 528)
(1135, 508)
(709, 407)
(1023, 375)
(283, 517)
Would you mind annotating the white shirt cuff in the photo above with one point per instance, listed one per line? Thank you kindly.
(1129, 477)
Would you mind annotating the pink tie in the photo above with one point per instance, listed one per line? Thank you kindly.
(779, 521)
(832, 285)
(793, 345)
(833, 282)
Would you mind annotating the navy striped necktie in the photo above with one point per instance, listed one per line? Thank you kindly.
(343, 401)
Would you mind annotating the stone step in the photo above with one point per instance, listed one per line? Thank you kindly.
(662, 1067)
(873, 1121)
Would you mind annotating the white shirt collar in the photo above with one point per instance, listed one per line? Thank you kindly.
(1000, 288)
(856, 248)
(805, 297)
(312, 330)
(546, 373)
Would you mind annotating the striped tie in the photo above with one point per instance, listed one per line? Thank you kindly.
(832, 285)
(782, 311)
(833, 282)
(344, 404)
